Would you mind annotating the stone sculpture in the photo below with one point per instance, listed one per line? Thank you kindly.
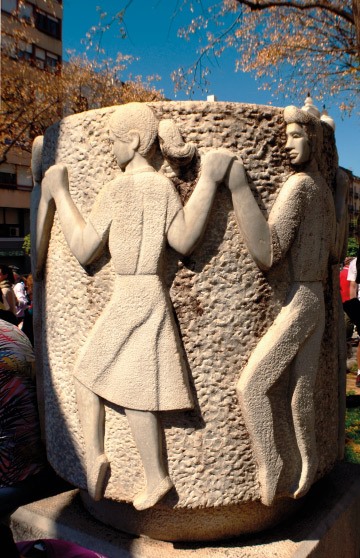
(125, 359)
(227, 296)
(301, 229)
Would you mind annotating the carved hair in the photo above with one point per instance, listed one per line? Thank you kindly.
(172, 145)
(138, 117)
(311, 125)
(135, 117)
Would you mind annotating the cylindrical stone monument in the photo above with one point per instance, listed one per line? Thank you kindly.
(223, 305)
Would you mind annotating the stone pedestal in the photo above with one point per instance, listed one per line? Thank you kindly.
(326, 525)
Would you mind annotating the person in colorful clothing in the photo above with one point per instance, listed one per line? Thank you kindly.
(25, 475)
(352, 307)
(345, 296)
(7, 295)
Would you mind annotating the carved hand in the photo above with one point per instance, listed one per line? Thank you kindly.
(237, 176)
(216, 163)
(55, 181)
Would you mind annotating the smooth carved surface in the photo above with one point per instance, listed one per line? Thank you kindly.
(223, 306)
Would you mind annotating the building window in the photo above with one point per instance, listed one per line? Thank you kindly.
(12, 216)
(26, 11)
(52, 61)
(9, 6)
(11, 222)
(40, 57)
(7, 179)
(25, 51)
(8, 46)
(48, 24)
(24, 177)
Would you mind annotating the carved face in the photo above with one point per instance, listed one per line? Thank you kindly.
(123, 150)
(297, 144)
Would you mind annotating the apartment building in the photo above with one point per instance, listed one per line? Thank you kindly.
(354, 204)
(40, 23)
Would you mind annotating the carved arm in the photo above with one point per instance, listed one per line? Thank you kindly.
(188, 225)
(83, 240)
(252, 223)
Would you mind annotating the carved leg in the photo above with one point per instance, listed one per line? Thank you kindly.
(303, 379)
(267, 364)
(92, 419)
(146, 431)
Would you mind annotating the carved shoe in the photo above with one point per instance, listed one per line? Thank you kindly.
(145, 500)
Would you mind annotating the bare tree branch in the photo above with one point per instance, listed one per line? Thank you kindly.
(298, 5)
(297, 45)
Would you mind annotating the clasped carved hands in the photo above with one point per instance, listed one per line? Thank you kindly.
(216, 165)
(224, 166)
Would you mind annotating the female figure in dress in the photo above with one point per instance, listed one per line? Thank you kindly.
(132, 356)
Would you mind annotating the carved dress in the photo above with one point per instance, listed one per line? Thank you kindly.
(132, 356)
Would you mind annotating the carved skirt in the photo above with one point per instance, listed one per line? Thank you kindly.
(133, 356)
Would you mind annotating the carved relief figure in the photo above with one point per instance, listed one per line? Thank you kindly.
(132, 356)
(301, 232)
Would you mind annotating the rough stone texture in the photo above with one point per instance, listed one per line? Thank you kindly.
(325, 526)
(223, 305)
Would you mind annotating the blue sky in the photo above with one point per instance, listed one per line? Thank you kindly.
(152, 36)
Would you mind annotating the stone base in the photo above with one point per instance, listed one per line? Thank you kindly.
(204, 524)
(327, 525)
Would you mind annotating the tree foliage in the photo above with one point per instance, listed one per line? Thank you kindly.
(27, 244)
(293, 46)
(296, 45)
(33, 98)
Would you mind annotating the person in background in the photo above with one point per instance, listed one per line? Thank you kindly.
(352, 307)
(6, 315)
(27, 326)
(25, 475)
(344, 281)
(345, 296)
(6, 285)
(22, 300)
